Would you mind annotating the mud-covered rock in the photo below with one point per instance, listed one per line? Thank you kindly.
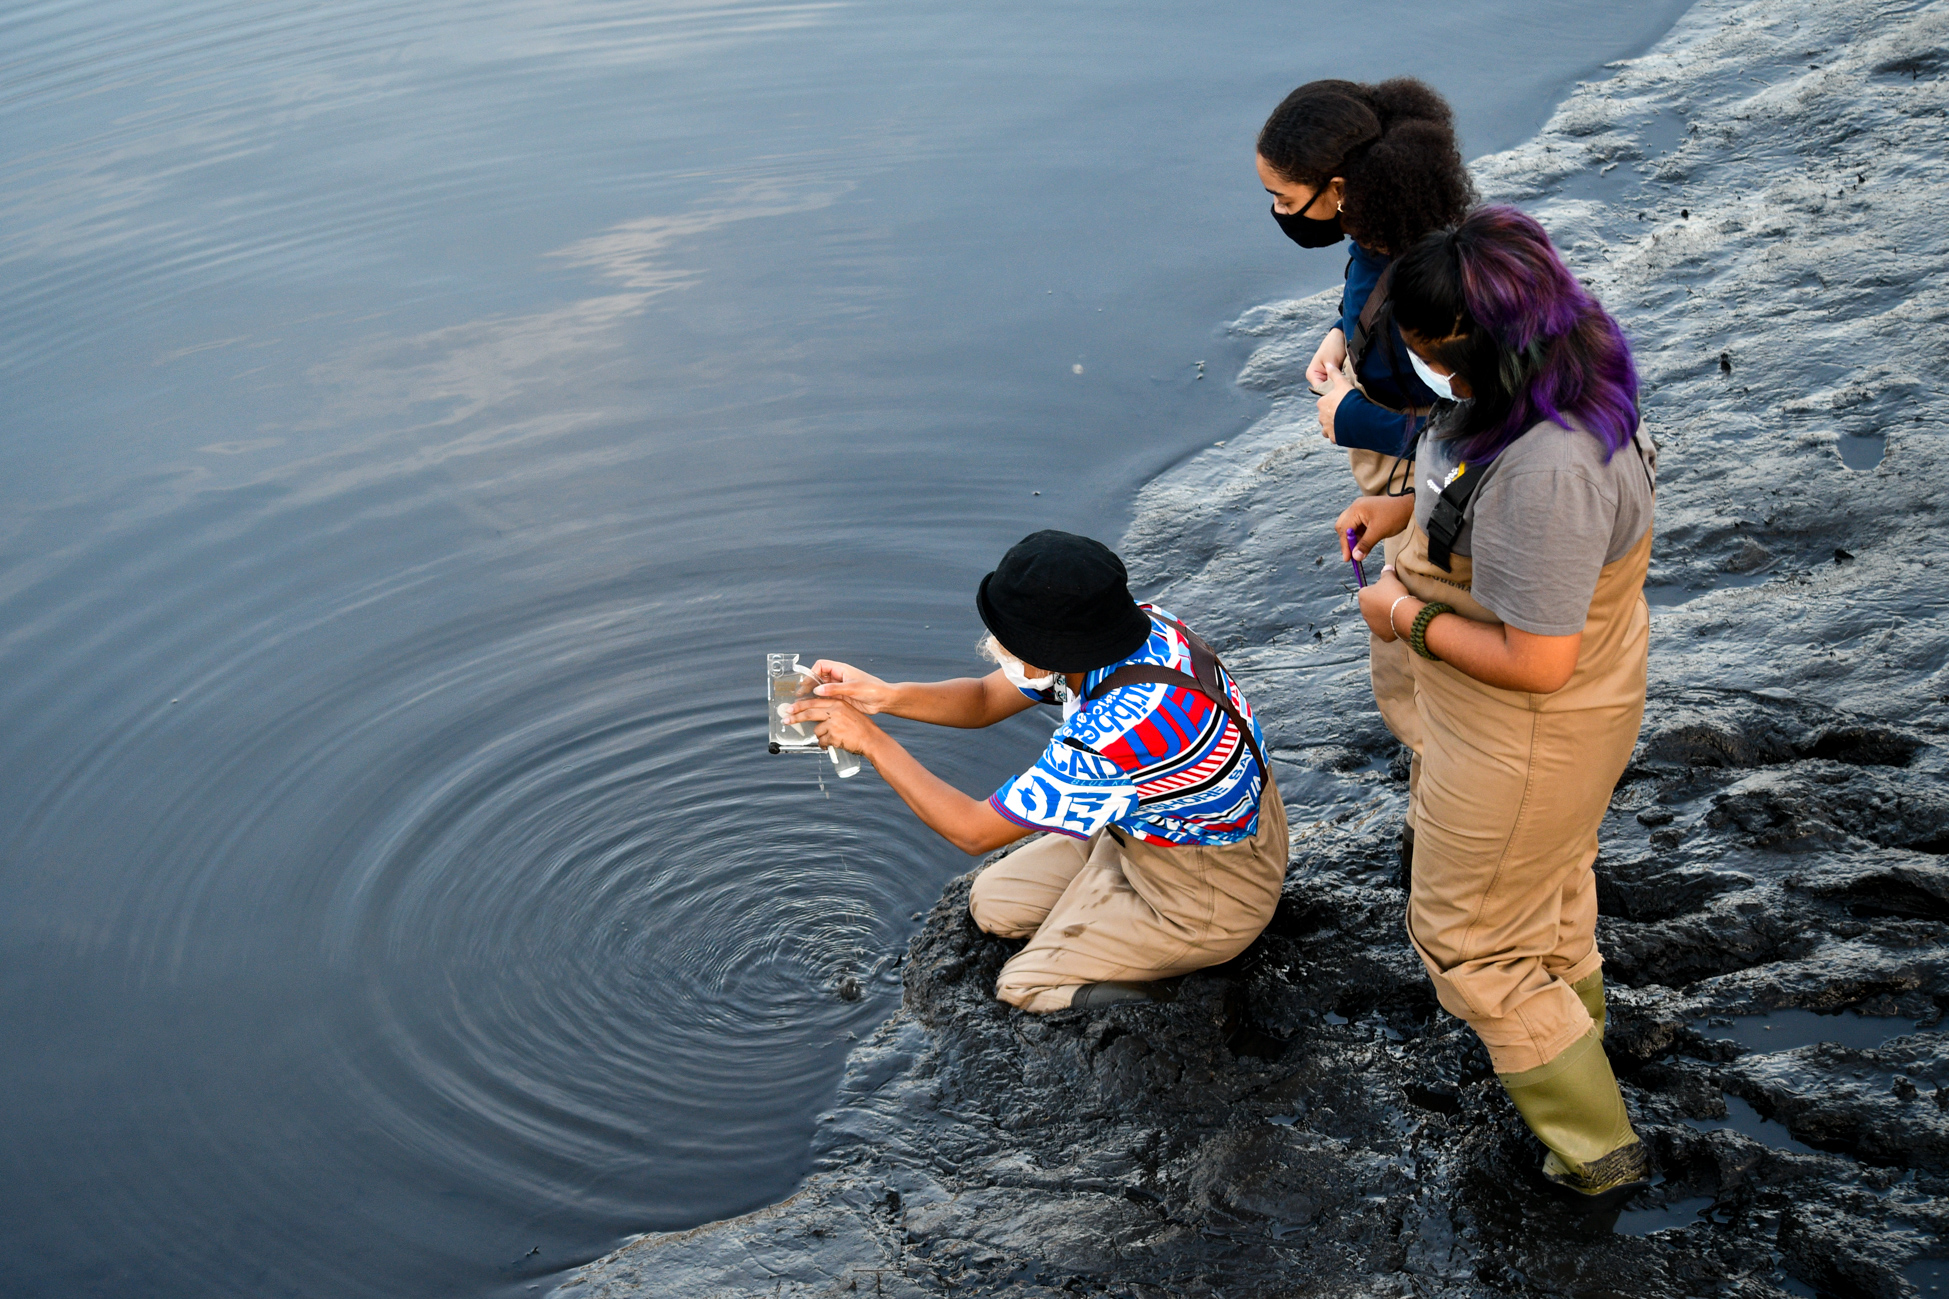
(1758, 200)
(1886, 1106)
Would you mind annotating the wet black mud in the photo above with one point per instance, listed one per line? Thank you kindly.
(1773, 883)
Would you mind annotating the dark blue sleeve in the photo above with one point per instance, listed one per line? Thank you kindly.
(1362, 274)
(1359, 423)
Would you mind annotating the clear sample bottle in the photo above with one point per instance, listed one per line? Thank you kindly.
(786, 681)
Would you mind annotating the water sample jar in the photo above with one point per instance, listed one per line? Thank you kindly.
(786, 682)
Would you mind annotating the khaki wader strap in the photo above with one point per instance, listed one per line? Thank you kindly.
(1205, 662)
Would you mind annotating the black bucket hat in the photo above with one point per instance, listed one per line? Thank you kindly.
(1062, 603)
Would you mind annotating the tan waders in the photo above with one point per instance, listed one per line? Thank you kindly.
(1389, 663)
(1503, 904)
(1115, 909)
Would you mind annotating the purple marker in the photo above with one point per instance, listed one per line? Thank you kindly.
(1359, 573)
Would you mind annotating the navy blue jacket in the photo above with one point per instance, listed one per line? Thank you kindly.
(1359, 422)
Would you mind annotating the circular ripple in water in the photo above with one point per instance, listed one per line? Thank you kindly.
(676, 933)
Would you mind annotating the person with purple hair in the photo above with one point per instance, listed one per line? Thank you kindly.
(1518, 584)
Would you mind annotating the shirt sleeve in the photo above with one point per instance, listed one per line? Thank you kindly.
(1355, 285)
(1538, 541)
(1360, 424)
(1068, 790)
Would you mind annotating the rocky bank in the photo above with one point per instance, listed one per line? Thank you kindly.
(1760, 200)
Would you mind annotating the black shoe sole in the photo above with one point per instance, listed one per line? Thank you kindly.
(1095, 996)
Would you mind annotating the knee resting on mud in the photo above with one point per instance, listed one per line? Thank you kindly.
(998, 916)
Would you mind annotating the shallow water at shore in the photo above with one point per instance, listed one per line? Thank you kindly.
(418, 426)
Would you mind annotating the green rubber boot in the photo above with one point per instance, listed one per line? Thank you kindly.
(1573, 1106)
(1590, 991)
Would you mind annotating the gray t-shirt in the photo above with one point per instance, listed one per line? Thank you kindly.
(1548, 514)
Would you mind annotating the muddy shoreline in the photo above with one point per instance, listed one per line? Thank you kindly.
(1758, 199)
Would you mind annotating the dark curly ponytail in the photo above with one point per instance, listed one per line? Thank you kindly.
(1392, 142)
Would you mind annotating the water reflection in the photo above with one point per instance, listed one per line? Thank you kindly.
(460, 373)
(1784, 1030)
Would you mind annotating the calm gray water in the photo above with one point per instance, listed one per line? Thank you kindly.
(418, 422)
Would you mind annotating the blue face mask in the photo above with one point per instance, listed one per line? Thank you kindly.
(1437, 383)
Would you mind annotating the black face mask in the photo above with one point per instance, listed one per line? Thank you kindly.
(1309, 232)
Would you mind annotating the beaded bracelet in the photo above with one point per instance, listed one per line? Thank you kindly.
(1418, 638)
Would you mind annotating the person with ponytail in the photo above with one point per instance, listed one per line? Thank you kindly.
(1518, 584)
(1378, 164)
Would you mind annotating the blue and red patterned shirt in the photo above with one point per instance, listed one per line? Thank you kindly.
(1161, 763)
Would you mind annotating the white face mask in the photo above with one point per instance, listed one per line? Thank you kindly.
(1014, 669)
(1018, 674)
(1437, 383)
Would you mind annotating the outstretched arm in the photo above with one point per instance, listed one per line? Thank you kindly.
(967, 702)
(970, 824)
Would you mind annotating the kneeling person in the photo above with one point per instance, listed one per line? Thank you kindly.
(1166, 843)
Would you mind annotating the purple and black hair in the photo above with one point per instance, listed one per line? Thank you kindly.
(1493, 301)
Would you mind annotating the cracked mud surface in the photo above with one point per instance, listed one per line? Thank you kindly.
(1758, 200)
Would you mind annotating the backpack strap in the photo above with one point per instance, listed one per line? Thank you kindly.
(1376, 324)
(1205, 663)
(1446, 519)
(1370, 314)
